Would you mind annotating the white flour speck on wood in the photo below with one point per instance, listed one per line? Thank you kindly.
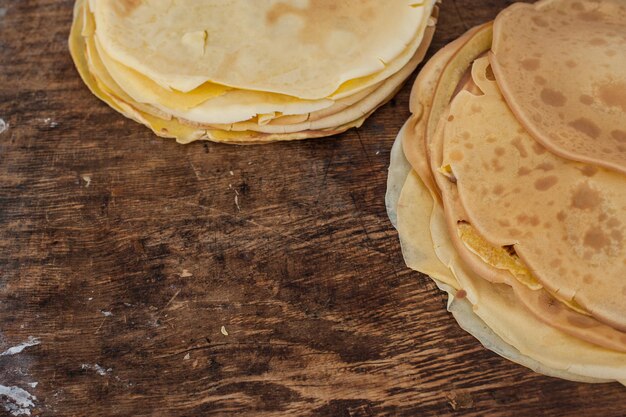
(4, 126)
(97, 368)
(18, 401)
(106, 313)
(32, 341)
(49, 122)
(236, 196)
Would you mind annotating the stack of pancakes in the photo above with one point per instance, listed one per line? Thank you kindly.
(508, 185)
(243, 71)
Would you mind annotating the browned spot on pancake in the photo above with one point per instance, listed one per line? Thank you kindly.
(596, 239)
(555, 263)
(461, 294)
(591, 16)
(586, 198)
(577, 6)
(613, 223)
(522, 218)
(610, 52)
(589, 170)
(619, 135)
(469, 145)
(586, 99)
(515, 232)
(571, 63)
(547, 225)
(499, 151)
(465, 135)
(123, 8)
(545, 183)
(597, 41)
(549, 303)
(540, 80)
(523, 171)
(553, 98)
(498, 189)
(476, 108)
(531, 64)
(491, 139)
(456, 156)
(534, 221)
(602, 217)
(588, 279)
(545, 166)
(504, 223)
(586, 127)
(496, 165)
(618, 237)
(517, 143)
(561, 216)
(540, 21)
(538, 149)
(315, 15)
(613, 95)
(580, 321)
(451, 118)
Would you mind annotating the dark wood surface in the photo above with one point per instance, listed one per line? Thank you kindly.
(125, 254)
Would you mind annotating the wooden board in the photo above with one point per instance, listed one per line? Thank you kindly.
(208, 279)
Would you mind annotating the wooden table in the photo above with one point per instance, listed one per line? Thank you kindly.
(170, 280)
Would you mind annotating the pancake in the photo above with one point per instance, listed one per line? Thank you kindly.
(518, 347)
(520, 193)
(228, 113)
(570, 92)
(186, 44)
(532, 240)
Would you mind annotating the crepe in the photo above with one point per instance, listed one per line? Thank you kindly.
(570, 92)
(125, 50)
(532, 240)
(415, 198)
(305, 49)
(521, 192)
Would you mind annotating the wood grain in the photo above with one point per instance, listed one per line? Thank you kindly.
(125, 251)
